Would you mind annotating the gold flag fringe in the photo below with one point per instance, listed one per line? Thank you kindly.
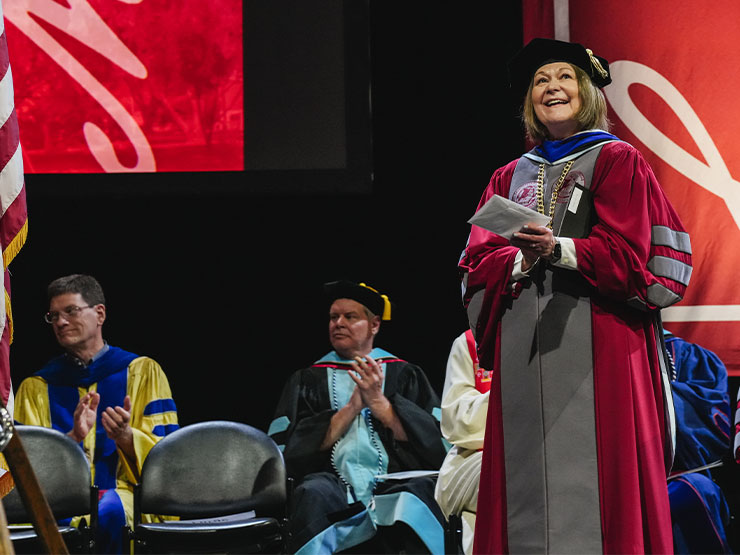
(15, 246)
(9, 254)
(6, 480)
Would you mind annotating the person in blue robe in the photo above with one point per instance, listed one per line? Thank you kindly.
(699, 510)
(359, 430)
(115, 404)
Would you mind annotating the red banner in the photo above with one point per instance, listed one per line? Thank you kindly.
(674, 97)
(130, 85)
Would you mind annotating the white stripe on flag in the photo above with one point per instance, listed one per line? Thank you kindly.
(10, 405)
(11, 181)
(6, 96)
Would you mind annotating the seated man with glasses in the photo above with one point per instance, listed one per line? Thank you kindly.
(357, 429)
(116, 404)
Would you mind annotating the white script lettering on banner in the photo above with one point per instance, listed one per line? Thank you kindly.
(83, 23)
(712, 175)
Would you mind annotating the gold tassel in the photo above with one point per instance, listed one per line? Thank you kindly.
(386, 302)
(386, 308)
(597, 64)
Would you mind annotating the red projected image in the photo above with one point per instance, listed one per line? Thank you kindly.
(127, 85)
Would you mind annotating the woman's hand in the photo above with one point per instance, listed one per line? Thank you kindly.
(535, 241)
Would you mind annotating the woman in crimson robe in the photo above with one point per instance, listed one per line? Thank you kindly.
(579, 436)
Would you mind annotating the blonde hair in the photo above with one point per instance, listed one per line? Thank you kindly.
(591, 115)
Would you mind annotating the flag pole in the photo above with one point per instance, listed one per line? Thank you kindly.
(28, 487)
(6, 546)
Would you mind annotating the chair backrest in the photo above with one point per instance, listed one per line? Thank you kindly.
(61, 469)
(213, 468)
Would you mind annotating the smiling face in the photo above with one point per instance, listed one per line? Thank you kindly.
(351, 331)
(555, 99)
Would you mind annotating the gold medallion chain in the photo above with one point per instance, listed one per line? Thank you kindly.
(555, 191)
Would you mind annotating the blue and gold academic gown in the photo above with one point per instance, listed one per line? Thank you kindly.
(349, 501)
(49, 397)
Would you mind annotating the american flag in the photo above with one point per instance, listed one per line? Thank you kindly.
(13, 213)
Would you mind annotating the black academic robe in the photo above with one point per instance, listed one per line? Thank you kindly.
(367, 450)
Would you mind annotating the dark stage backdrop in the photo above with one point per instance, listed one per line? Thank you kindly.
(224, 290)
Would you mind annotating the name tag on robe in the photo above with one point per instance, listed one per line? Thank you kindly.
(579, 216)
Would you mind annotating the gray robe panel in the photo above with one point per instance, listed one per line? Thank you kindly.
(547, 391)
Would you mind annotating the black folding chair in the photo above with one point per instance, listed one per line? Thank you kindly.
(226, 482)
(64, 476)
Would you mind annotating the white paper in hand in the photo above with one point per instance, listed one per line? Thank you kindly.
(503, 217)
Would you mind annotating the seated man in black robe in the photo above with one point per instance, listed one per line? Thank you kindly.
(344, 423)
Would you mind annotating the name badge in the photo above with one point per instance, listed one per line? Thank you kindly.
(575, 199)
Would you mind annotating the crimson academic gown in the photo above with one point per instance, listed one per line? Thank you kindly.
(577, 445)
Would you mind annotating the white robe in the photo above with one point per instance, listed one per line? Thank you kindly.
(463, 424)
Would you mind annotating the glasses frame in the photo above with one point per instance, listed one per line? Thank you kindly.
(69, 313)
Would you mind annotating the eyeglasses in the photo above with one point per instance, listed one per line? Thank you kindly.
(69, 313)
